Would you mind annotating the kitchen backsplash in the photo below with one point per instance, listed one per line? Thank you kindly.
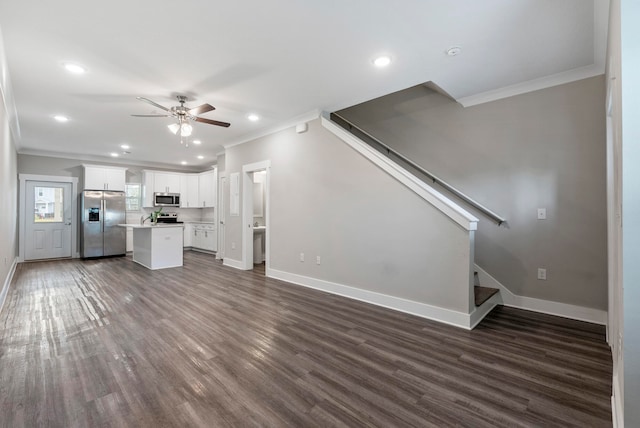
(184, 214)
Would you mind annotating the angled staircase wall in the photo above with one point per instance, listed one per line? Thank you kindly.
(473, 313)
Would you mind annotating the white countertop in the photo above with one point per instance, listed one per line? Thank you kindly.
(149, 226)
(200, 222)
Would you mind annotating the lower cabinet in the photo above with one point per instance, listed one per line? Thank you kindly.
(188, 232)
(204, 237)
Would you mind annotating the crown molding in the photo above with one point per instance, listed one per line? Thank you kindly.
(306, 117)
(533, 85)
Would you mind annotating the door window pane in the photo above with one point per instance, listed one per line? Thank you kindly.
(48, 204)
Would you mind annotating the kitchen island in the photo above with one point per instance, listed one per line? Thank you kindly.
(157, 246)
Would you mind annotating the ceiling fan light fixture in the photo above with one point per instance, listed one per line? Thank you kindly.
(174, 127)
(186, 129)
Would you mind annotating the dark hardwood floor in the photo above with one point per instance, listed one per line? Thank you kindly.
(110, 343)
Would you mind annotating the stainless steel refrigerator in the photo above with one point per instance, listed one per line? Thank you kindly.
(100, 235)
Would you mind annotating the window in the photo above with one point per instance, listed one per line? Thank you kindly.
(49, 204)
(133, 196)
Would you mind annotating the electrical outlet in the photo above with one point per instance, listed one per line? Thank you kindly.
(301, 257)
(233, 245)
(542, 213)
(317, 260)
(542, 273)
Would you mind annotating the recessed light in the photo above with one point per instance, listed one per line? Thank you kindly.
(197, 142)
(382, 61)
(114, 154)
(453, 50)
(253, 117)
(74, 68)
(61, 118)
(200, 157)
(183, 162)
(125, 146)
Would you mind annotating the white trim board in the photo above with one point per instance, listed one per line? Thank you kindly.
(7, 283)
(426, 192)
(306, 117)
(533, 85)
(237, 264)
(423, 310)
(617, 413)
(549, 307)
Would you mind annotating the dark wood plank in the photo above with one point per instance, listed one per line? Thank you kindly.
(482, 294)
(110, 343)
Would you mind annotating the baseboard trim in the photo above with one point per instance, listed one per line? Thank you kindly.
(237, 264)
(579, 313)
(446, 316)
(617, 413)
(7, 283)
(481, 312)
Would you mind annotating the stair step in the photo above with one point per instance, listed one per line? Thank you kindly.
(482, 294)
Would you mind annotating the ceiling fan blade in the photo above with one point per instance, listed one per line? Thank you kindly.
(147, 100)
(201, 109)
(151, 115)
(212, 122)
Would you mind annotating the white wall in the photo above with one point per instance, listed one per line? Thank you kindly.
(370, 231)
(8, 201)
(544, 149)
(629, 62)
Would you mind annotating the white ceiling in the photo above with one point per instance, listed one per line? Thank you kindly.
(281, 59)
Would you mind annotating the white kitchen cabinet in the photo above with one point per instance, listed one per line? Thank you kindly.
(204, 237)
(147, 188)
(207, 183)
(98, 177)
(188, 235)
(166, 182)
(189, 186)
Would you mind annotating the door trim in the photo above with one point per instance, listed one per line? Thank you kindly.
(221, 206)
(247, 214)
(23, 178)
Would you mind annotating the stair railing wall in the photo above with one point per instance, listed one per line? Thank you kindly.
(382, 147)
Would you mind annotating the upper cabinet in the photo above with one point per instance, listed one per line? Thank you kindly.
(207, 188)
(97, 177)
(196, 190)
(189, 191)
(166, 182)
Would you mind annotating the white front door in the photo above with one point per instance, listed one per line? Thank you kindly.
(221, 217)
(47, 220)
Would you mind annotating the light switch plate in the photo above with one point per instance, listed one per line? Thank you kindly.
(542, 273)
(542, 213)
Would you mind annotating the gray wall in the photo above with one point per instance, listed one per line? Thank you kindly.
(370, 231)
(8, 198)
(544, 149)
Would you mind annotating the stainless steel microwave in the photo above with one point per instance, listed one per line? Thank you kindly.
(166, 199)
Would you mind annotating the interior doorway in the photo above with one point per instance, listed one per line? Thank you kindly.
(255, 215)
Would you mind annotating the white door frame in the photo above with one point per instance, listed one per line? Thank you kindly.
(247, 213)
(22, 209)
(222, 216)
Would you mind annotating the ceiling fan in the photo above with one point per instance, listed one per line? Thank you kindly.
(184, 115)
